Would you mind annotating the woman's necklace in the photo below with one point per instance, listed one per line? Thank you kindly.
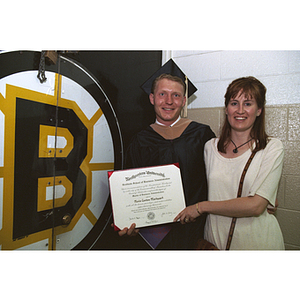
(235, 150)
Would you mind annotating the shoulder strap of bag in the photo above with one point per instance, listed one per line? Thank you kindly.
(230, 235)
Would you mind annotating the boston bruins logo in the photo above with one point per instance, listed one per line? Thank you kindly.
(58, 139)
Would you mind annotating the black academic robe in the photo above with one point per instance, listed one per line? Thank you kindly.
(148, 148)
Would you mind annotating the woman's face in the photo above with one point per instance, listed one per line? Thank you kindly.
(242, 112)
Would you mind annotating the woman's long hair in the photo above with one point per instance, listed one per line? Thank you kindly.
(252, 89)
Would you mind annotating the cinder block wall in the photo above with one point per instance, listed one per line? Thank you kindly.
(212, 71)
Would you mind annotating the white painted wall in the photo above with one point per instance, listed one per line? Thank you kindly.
(212, 71)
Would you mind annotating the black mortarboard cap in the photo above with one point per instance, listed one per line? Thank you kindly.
(169, 67)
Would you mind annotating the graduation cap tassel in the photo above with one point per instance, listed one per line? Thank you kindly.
(184, 109)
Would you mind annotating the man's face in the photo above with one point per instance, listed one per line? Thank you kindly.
(168, 100)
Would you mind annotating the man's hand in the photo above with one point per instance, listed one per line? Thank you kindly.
(131, 231)
(271, 209)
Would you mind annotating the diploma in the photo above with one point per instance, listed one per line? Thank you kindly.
(146, 196)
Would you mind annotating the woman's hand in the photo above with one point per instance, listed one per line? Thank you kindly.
(189, 214)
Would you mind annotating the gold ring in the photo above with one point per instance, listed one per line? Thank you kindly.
(186, 220)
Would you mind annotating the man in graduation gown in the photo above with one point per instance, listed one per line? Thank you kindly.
(171, 139)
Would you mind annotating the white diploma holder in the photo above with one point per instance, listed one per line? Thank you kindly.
(146, 196)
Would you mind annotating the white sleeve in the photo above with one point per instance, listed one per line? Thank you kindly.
(269, 174)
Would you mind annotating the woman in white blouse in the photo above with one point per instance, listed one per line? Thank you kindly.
(225, 158)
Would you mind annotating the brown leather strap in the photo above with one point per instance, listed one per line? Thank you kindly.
(231, 230)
